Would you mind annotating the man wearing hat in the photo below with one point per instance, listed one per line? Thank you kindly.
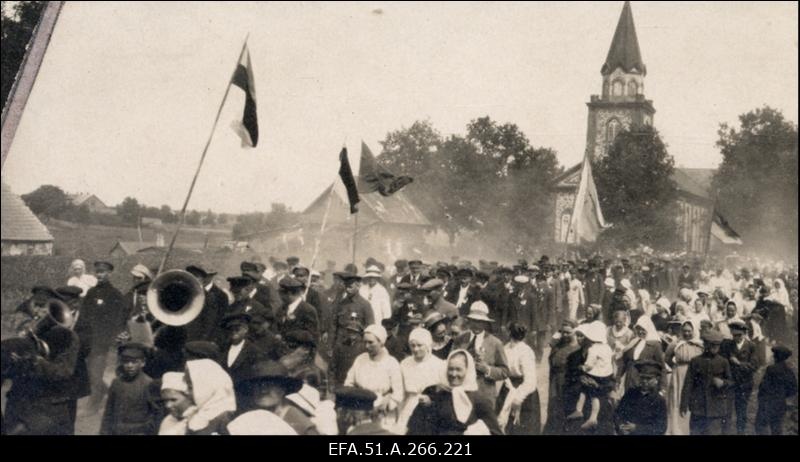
(265, 386)
(206, 325)
(354, 407)
(32, 308)
(433, 291)
(642, 411)
(239, 353)
(242, 287)
(373, 292)
(777, 388)
(130, 408)
(280, 270)
(81, 386)
(415, 274)
(295, 314)
(466, 293)
(262, 333)
(264, 292)
(311, 295)
(104, 308)
(351, 307)
(400, 272)
(741, 353)
(490, 357)
(706, 389)
(522, 306)
(594, 284)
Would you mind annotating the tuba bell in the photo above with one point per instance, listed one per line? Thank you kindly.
(30, 343)
(175, 297)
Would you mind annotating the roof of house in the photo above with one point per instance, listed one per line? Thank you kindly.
(624, 51)
(695, 181)
(19, 223)
(80, 198)
(131, 247)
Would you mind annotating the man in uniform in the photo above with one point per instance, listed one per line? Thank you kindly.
(352, 307)
(205, 326)
(355, 413)
(741, 353)
(642, 411)
(104, 308)
(346, 350)
(706, 389)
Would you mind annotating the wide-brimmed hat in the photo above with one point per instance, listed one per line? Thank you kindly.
(307, 399)
(372, 272)
(434, 318)
(272, 372)
(479, 311)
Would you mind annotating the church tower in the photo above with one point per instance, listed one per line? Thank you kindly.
(622, 103)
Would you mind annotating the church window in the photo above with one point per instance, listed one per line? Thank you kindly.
(565, 217)
(617, 87)
(612, 129)
(633, 88)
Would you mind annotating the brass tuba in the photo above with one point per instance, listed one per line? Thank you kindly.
(31, 344)
(175, 297)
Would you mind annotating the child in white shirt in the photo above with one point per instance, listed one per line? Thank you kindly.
(598, 377)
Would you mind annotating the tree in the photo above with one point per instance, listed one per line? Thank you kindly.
(223, 218)
(18, 22)
(166, 215)
(48, 200)
(636, 191)
(209, 219)
(193, 218)
(757, 180)
(129, 211)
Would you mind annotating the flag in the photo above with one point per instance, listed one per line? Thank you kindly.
(247, 128)
(587, 220)
(372, 177)
(346, 174)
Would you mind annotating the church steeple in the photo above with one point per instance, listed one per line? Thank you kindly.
(624, 52)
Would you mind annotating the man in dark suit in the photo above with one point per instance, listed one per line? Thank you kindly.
(240, 353)
(295, 313)
(80, 384)
(206, 324)
(401, 271)
(264, 292)
(741, 353)
(642, 411)
(706, 389)
(415, 276)
(490, 357)
(465, 294)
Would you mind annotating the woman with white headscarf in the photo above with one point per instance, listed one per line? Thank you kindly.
(200, 401)
(379, 372)
(454, 406)
(781, 295)
(647, 346)
(79, 277)
(420, 370)
(678, 356)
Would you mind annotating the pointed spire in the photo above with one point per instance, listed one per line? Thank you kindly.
(624, 51)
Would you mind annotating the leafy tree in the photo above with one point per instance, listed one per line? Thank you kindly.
(18, 21)
(757, 180)
(210, 218)
(129, 211)
(83, 215)
(166, 215)
(48, 200)
(193, 218)
(636, 191)
(223, 218)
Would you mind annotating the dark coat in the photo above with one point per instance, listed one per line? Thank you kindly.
(397, 347)
(647, 411)
(699, 394)
(206, 325)
(131, 408)
(303, 318)
(473, 295)
(778, 384)
(342, 359)
(249, 355)
(493, 355)
(351, 308)
(652, 351)
(438, 418)
(269, 344)
(268, 296)
(748, 362)
(81, 383)
(594, 287)
(523, 306)
(105, 309)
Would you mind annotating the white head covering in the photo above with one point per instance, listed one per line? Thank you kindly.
(595, 331)
(142, 271)
(647, 324)
(378, 331)
(174, 381)
(77, 264)
(626, 283)
(609, 282)
(686, 294)
(462, 405)
(212, 391)
(260, 422)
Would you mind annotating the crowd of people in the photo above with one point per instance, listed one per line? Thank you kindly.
(643, 345)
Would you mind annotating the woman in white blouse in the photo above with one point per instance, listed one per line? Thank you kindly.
(79, 277)
(520, 414)
(420, 370)
(379, 372)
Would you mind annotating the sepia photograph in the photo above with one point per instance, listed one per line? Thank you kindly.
(399, 219)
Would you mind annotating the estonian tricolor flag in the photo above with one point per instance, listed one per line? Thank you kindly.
(247, 128)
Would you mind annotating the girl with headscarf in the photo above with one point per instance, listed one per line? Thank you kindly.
(79, 277)
(781, 295)
(520, 413)
(420, 370)
(646, 346)
(379, 372)
(454, 406)
(678, 356)
(200, 401)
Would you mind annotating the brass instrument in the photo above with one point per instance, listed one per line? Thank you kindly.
(175, 297)
(30, 344)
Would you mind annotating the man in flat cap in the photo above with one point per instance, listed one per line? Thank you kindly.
(706, 389)
(351, 307)
(295, 314)
(264, 292)
(642, 411)
(463, 296)
(741, 353)
(239, 353)
(104, 308)
(355, 410)
(206, 325)
(433, 290)
(415, 274)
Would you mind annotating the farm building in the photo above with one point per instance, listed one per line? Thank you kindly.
(127, 248)
(388, 228)
(92, 202)
(22, 232)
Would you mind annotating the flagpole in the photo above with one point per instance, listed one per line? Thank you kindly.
(200, 164)
(319, 237)
(355, 234)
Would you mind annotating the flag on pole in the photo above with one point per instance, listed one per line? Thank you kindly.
(247, 128)
(346, 174)
(587, 220)
(372, 177)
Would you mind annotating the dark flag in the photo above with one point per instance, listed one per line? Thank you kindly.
(247, 128)
(346, 173)
(373, 177)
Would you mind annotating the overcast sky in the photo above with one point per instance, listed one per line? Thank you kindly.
(127, 92)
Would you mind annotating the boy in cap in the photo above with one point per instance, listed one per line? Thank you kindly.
(642, 411)
(355, 412)
(778, 386)
(130, 409)
(104, 308)
(741, 353)
(706, 389)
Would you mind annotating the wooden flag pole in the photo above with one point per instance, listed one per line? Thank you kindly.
(200, 164)
(319, 238)
(355, 236)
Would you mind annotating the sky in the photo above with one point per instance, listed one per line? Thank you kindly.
(127, 93)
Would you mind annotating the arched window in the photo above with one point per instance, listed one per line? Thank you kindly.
(612, 129)
(617, 87)
(565, 217)
(633, 88)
